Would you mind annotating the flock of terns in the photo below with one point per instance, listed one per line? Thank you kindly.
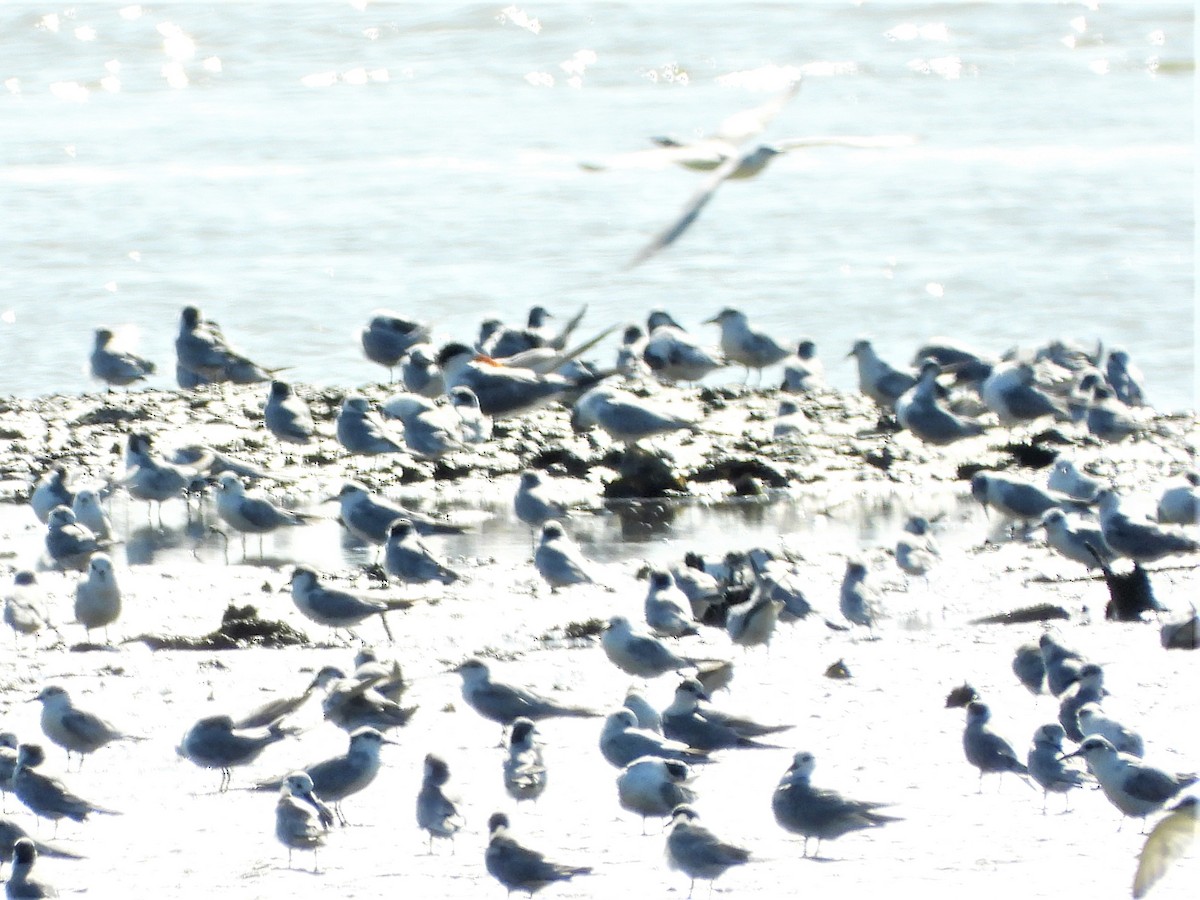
(449, 400)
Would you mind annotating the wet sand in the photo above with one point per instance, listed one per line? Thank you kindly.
(882, 735)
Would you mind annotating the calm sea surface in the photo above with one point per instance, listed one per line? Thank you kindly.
(290, 167)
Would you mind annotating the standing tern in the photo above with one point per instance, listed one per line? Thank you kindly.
(361, 430)
(1046, 765)
(369, 516)
(984, 748)
(919, 410)
(1140, 540)
(406, 557)
(1061, 663)
(1180, 505)
(674, 355)
(652, 786)
(342, 776)
(819, 813)
(745, 345)
(98, 596)
(1029, 668)
(505, 703)
(1066, 478)
(287, 416)
(387, 337)
(338, 609)
(114, 366)
(1134, 788)
(803, 372)
(437, 812)
(24, 606)
(668, 612)
(684, 720)
(625, 417)
(22, 885)
(301, 819)
(1012, 393)
(534, 502)
(696, 851)
(524, 767)
(50, 491)
(250, 513)
(201, 351)
(48, 797)
(1076, 540)
(521, 868)
(621, 742)
(559, 560)
(69, 545)
(1093, 720)
(419, 372)
(214, 743)
(75, 730)
(91, 515)
(505, 391)
(877, 379)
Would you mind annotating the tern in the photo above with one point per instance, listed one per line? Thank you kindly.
(505, 703)
(520, 868)
(342, 776)
(674, 355)
(301, 819)
(696, 851)
(652, 786)
(984, 748)
(287, 416)
(1046, 765)
(744, 345)
(524, 767)
(338, 609)
(75, 730)
(98, 596)
(819, 813)
(214, 743)
(115, 366)
(1134, 788)
(387, 337)
(437, 812)
(1142, 541)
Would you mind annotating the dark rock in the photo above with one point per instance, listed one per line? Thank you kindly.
(1031, 454)
(735, 470)
(1040, 612)
(241, 627)
(643, 475)
(560, 459)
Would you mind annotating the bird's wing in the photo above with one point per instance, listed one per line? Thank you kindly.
(86, 726)
(857, 142)
(1152, 785)
(708, 153)
(273, 710)
(1168, 841)
(552, 363)
(749, 123)
(691, 211)
(262, 513)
